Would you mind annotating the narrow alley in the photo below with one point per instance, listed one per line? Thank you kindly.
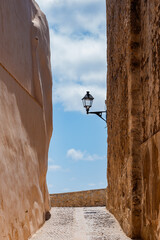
(87, 223)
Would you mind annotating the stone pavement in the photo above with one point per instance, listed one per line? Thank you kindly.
(88, 223)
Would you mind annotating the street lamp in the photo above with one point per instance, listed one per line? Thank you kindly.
(87, 103)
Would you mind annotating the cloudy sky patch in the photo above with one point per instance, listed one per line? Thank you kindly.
(54, 168)
(78, 58)
(77, 31)
(79, 155)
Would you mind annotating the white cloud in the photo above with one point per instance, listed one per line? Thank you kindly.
(86, 55)
(70, 95)
(75, 16)
(54, 168)
(78, 50)
(75, 154)
(79, 155)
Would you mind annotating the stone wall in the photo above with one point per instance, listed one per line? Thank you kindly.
(25, 119)
(89, 198)
(133, 111)
(150, 92)
(119, 167)
(151, 188)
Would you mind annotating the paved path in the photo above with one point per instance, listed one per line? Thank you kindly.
(94, 223)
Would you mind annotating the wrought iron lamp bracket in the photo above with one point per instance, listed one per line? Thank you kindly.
(99, 114)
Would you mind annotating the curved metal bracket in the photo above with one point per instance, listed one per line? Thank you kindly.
(99, 114)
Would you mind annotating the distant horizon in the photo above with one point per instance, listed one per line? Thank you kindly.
(79, 191)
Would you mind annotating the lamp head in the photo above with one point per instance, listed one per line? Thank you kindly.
(87, 101)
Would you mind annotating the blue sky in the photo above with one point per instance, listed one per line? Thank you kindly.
(78, 149)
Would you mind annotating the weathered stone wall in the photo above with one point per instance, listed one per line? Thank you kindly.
(25, 119)
(123, 126)
(150, 90)
(90, 198)
(133, 111)
(151, 188)
(117, 112)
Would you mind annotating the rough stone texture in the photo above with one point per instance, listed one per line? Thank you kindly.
(123, 150)
(89, 198)
(133, 115)
(25, 119)
(151, 188)
(150, 90)
(150, 70)
(119, 168)
(94, 223)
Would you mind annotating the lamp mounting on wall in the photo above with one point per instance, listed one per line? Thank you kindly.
(87, 104)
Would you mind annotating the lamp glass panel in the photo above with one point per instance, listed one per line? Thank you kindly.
(84, 102)
(91, 101)
(88, 103)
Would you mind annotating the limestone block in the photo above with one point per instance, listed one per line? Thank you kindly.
(25, 119)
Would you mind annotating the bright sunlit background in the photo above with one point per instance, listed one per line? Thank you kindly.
(78, 149)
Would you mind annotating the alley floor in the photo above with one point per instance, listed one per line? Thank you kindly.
(88, 223)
